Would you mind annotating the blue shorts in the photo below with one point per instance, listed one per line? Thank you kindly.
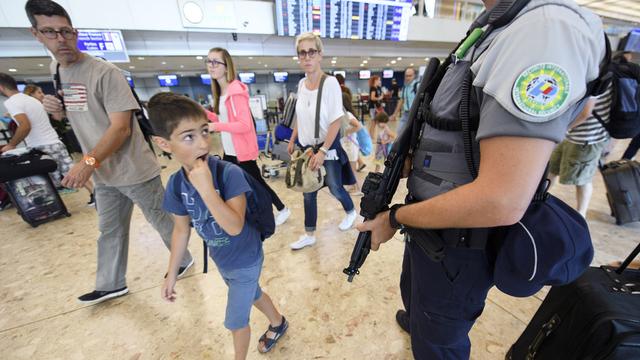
(244, 290)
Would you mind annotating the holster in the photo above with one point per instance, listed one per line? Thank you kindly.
(434, 243)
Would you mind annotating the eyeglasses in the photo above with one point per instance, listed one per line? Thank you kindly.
(214, 63)
(311, 53)
(50, 33)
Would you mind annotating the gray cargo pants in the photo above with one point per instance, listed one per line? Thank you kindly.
(115, 206)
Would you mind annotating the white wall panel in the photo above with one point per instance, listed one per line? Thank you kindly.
(143, 15)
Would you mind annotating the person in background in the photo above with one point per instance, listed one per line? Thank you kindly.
(384, 138)
(36, 131)
(575, 160)
(345, 90)
(232, 117)
(34, 91)
(60, 126)
(375, 95)
(406, 98)
(343, 87)
(349, 141)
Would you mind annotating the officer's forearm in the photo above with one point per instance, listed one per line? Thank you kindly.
(464, 207)
(510, 171)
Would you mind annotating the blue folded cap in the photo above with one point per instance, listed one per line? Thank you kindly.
(550, 245)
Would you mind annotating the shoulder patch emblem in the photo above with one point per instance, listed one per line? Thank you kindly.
(541, 90)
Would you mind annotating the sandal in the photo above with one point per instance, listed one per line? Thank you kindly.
(278, 330)
(361, 167)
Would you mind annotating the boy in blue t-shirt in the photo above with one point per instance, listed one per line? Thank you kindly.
(192, 196)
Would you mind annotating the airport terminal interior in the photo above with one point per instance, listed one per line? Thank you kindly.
(163, 46)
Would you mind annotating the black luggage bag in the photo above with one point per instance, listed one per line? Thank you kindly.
(596, 317)
(622, 180)
(26, 179)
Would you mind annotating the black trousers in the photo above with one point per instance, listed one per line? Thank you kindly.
(252, 168)
(632, 149)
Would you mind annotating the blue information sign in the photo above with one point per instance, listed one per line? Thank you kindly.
(107, 44)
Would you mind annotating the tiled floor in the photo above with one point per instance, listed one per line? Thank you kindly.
(44, 269)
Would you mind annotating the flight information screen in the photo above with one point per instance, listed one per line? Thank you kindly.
(370, 20)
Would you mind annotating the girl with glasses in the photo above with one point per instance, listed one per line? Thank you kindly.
(232, 117)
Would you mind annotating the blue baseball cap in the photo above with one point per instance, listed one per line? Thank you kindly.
(550, 245)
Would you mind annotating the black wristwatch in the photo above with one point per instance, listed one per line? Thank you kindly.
(392, 216)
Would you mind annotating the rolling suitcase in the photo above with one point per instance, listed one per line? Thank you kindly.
(26, 179)
(622, 180)
(596, 317)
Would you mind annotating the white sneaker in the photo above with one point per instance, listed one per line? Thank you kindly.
(282, 216)
(303, 241)
(348, 221)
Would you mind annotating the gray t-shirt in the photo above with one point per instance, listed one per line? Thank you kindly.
(94, 88)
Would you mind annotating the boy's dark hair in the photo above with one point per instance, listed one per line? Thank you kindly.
(46, 8)
(8, 81)
(381, 117)
(167, 110)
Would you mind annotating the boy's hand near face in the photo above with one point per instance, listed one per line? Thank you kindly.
(200, 177)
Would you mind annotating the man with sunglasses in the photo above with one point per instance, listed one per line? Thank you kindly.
(95, 97)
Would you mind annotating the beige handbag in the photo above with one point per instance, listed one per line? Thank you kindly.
(300, 177)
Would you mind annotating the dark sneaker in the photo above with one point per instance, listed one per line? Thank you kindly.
(95, 296)
(92, 200)
(402, 318)
(182, 270)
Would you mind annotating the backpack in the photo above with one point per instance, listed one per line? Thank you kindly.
(259, 212)
(624, 113)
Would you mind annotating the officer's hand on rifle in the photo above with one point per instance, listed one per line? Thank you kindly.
(381, 230)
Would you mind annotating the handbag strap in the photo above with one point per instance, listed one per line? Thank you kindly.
(317, 129)
(58, 83)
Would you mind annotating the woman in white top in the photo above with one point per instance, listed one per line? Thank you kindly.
(328, 151)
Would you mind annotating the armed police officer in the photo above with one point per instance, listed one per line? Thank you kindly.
(517, 82)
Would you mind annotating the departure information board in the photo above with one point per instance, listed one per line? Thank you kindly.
(370, 20)
(107, 44)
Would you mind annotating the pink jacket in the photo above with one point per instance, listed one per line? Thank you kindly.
(240, 125)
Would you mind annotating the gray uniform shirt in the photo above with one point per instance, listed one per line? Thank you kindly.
(92, 89)
(529, 80)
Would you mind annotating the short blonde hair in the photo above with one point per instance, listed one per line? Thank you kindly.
(309, 36)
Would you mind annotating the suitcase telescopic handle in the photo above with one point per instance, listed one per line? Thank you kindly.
(628, 260)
